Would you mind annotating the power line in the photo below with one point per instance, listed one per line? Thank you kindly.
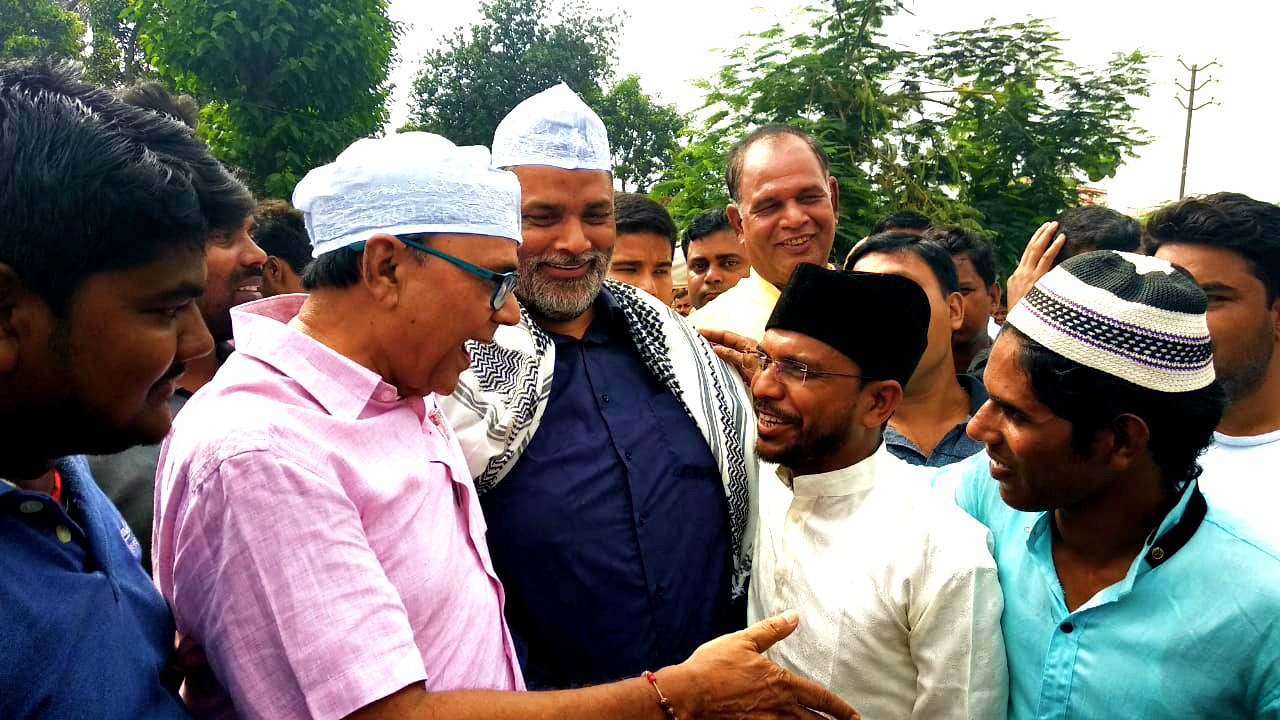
(1191, 107)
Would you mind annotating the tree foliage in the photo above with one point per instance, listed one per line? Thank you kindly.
(519, 48)
(288, 83)
(991, 128)
(39, 29)
(642, 133)
(114, 57)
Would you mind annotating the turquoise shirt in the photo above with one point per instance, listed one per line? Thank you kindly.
(1192, 631)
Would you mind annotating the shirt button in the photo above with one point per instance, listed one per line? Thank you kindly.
(605, 398)
(627, 456)
(63, 533)
(644, 517)
(658, 591)
(31, 506)
(1067, 627)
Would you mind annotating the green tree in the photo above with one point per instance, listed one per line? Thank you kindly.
(39, 29)
(114, 57)
(519, 48)
(989, 128)
(642, 133)
(1027, 126)
(288, 84)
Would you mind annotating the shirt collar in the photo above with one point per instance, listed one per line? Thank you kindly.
(338, 383)
(763, 287)
(857, 478)
(1170, 536)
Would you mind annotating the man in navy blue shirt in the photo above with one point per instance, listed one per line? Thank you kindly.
(612, 449)
(105, 209)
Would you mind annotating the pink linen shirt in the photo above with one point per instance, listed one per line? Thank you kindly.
(320, 537)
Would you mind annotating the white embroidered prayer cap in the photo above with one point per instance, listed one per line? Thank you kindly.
(407, 184)
(1132, 316)
(554, 128)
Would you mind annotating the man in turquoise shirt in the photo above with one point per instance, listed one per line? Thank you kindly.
(1126, 595)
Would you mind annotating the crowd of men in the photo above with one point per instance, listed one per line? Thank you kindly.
(435, 438)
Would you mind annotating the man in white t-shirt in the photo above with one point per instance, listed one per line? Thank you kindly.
(1230, 244)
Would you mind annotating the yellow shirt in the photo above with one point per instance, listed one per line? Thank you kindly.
(743, 309)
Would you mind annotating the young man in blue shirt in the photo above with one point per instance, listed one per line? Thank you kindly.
(104, 210)
(1126, 594)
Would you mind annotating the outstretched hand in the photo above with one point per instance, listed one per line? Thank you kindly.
(1037, 259)
(730, 678)
(736, 350)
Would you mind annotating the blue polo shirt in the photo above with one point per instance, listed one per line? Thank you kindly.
(1192, 631)
(955, 446)
(84, 633)
(611, 533)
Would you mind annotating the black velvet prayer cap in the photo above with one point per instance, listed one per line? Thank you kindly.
(881, 322)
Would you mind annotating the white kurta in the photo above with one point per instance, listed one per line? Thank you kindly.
(896, 588)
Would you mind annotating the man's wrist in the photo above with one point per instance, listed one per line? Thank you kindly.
(680, 688)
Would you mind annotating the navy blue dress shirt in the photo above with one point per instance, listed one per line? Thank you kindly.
(611, 533)
(84, 633)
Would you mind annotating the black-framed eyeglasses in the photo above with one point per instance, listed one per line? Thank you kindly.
(792, 372)
(505, 283)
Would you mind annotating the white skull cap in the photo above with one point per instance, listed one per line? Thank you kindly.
(554, 128)
(407, 184)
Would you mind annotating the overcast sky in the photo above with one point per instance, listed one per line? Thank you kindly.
(1234, 146)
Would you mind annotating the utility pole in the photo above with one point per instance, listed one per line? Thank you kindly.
(1191, 107)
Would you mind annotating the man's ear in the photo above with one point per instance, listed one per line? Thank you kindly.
(380, 268)
(882, 398)
(955, 308)
(994, 292)
(735, 219)
(1275, 318)
(18, 309)
(833, 186)
(1125, 442)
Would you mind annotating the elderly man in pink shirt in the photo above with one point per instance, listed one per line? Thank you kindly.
(317, 530)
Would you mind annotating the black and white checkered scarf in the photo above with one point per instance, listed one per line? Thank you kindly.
(500, 400)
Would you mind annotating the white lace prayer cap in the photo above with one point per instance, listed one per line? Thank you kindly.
(554, 128)
(406, 184)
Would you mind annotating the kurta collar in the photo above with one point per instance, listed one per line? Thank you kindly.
(857, 478)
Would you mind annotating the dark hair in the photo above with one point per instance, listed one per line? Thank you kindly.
(335, 269)
(702, 225)
(636, 213)
(223, 195)
(938, 260)
(902, 220)
(339, 269)
(959, 241)
(282, 233)
(733, 161)
(1181, 424)
(154, 96)
(1231, 221)
(1097, 228)
(90, 184)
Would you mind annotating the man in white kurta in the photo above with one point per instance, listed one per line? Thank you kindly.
(897, 589)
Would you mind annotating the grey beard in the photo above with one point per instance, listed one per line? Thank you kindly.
(560, 300)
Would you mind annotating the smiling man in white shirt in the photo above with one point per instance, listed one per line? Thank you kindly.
(899, 587)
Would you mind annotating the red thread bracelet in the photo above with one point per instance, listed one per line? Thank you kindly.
(667, 709)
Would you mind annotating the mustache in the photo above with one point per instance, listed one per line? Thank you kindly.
(254, 273)
(593, 256)
(768, 408)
